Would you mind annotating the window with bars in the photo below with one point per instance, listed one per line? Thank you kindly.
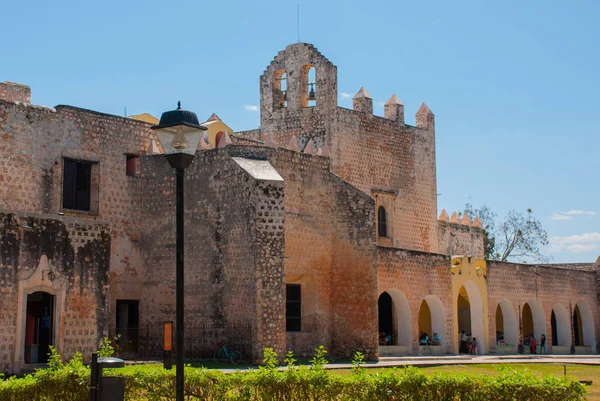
(77, 183)
(293, 307)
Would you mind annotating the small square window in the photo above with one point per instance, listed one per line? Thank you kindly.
(132, 164)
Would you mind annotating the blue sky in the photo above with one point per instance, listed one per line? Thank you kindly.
(514, 84)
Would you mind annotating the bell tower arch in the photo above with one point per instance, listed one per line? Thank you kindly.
(299, 85)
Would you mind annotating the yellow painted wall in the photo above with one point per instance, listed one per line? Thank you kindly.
(146, 117)
(425, 319)
(214, 127)
(471, 273)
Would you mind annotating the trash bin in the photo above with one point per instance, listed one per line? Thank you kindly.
(113, 389)
(106, 388)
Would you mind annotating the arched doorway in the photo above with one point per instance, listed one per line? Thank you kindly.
(431, 317)
(394, 319)
(39, 325)
(463, 311)
(533, 321)
(584, 331)
(561, 330)
(506, 326)
(386, 320)
(470, 314)
(577, 327)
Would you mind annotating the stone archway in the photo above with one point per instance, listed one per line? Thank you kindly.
(395, 318)
(533, 320)
(431, 317)
(470, 297)
(506, 324)
(39, 282)
(561, 329)
(39, 323)
(586, 322)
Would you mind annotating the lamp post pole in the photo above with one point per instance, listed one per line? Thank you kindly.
(179, 133)
(179, 302)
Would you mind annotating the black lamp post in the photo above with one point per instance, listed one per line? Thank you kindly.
(179, 133)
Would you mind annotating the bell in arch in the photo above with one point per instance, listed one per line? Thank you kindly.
(312, 94)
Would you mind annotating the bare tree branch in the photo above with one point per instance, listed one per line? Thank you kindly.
(518, 238)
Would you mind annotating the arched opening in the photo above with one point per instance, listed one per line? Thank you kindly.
(499, 324)
(506, 326)
(533, 322)
(279, 89)
(39, 327)
(577, 327)
(527, 320)
(309, 86)
(431, 319)
(470, 317)
(381, 222)
(554, 329)
(394, 320)
(464, 312)
(559, 322)
(387, 334)
(584, 332)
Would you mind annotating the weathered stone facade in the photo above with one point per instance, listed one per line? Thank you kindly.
(339, 204)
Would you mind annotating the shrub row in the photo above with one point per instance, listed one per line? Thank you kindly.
(70, 381)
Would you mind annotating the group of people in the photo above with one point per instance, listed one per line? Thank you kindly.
(532, 344)
(468, 344)
(424, 339)
(385, 339)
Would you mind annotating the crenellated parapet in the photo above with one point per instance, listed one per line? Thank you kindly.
(459, 234)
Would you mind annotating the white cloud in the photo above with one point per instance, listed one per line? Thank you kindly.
(557, 216)
(251, 108)
(578, 212)
(569, 215)
(575, 248)
(585, 242)
(346, 95)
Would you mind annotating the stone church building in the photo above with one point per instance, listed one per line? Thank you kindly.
(320, 227)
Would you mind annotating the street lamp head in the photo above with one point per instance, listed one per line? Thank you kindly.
(179, 133)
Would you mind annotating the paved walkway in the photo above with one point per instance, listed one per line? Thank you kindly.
(386, 362)
(475, 359)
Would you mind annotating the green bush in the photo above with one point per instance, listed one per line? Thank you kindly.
(70, 381)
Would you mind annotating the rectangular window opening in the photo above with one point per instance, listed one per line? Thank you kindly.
(293, 307)
(131, 168)
(77, 184)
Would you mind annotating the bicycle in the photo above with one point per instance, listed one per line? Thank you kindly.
(223, 353)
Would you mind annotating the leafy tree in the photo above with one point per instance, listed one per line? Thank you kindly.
(518, 237)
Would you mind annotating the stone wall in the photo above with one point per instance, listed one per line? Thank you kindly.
(460, 239)
(15, 92)
(330, 251)
(36, 139)
(77, 251)
(542, 287)
(412, 277)
(392, 162)
(233, 250)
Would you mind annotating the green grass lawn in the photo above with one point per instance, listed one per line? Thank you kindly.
(581, 372)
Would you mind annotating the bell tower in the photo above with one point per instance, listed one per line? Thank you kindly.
(298, 91)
